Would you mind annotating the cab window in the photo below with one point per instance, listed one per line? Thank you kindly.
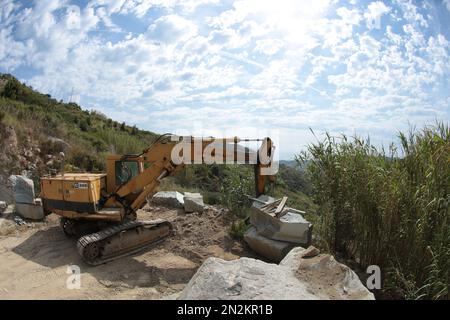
(125, 171)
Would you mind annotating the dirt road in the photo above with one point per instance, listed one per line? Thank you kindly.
(34, 259)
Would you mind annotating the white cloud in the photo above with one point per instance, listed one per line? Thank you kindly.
(350, 16)
(171, 29)
(374, 12)
(411, 14)
(268, 46)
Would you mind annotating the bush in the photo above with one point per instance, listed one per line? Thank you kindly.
(390, 208)
(238, 228)
(84, 126)
(236, 184)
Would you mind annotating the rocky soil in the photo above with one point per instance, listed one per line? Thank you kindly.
(35, 258)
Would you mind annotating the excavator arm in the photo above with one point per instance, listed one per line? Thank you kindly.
(169, 154)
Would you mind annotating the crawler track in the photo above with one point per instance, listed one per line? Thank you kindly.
(122, 240)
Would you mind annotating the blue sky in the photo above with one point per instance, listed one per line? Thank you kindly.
(243, 67)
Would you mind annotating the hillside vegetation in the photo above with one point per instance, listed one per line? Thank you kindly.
(35, 128)
(388, 208)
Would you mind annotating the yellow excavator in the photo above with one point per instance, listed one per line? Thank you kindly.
(101, 207)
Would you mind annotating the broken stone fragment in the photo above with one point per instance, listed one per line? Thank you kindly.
(193, 202)
(3, 206)
(262, 200)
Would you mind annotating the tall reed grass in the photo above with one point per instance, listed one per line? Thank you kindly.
(388, 207)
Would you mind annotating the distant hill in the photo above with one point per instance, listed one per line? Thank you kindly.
(289, 163)
(294, 164)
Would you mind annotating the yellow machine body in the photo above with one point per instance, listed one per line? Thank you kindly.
(79, 195)
(73, 191)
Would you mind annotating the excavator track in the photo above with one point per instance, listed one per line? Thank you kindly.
(122, 240)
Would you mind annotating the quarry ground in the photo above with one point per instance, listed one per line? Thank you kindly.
(34, 258)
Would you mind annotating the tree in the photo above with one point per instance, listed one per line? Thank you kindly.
(12, 89)
(83, 125)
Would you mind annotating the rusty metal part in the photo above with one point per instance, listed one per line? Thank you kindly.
(122, 240)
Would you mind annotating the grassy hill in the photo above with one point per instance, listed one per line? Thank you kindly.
(90, 134)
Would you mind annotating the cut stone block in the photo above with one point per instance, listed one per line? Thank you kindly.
(30, 211)
(193, 202)
(171, 199)
(271, 249)
(291, 227)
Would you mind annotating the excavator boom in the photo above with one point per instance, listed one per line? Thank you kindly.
(168, 157)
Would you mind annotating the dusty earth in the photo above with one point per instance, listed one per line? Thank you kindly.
(34, 258)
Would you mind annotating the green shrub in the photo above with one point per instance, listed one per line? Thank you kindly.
(238, 228)
(235, 186)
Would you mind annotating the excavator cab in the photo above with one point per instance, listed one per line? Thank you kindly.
(121, 169)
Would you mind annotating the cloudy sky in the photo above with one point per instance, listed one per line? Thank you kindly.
(243, 67)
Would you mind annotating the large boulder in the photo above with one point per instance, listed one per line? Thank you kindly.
(23, 189)
(170, 199)
(296, 277)
(193, 202)
(57, 144)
